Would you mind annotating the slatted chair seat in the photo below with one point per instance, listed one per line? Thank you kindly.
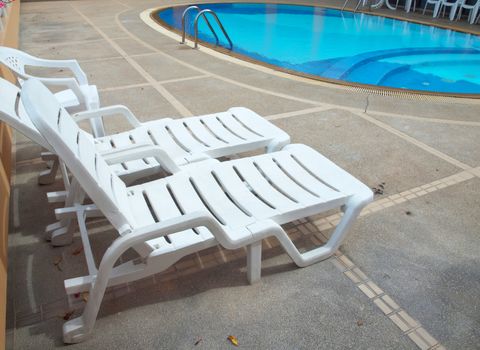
(280, 186)
(191, 139)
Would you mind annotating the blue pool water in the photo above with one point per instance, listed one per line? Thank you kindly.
(345, 46)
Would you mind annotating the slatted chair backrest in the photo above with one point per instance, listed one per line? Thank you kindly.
(77, 149)
(13, 113)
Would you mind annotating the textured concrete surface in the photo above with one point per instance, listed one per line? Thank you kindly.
(408, 278)
(307, 308)
(426, 257)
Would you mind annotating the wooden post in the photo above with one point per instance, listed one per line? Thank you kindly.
(8, 37)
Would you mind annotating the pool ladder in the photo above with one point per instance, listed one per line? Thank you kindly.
(202, 13)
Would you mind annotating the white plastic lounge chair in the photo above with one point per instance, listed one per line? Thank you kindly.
(235, 203)
(184, 140)
(473, 10)
(79, 93)
(180, 142)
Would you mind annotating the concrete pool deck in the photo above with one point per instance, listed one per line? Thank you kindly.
(406, 277)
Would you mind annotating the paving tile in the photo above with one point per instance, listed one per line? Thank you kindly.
(211, 95)
(421, 343)
(132, 47)
(457, 141)
(145, 102)
(58, 33)
(112, 73)
(382, 306)
(97, 49)
(161, 68)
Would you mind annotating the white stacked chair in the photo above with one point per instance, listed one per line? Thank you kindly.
(473, 11)
(78, 93)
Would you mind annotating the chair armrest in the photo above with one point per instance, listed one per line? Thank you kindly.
(109, 111)
(141, 151)
(71, 65)
(70, 83)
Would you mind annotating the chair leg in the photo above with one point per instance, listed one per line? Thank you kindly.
(436, 8)
(47, 177)
(459, 15)
(358, 5)
(61, 232)
(473, 14)
(453, 12)
(254, 262)
(352, 210)
(96, 124)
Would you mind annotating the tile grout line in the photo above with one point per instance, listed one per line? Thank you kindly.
(66, 43)
(296, 113)
(424, 119)
(164, 92)
(168, 81)
(100, 59)
(178, 80)
(412, 140)
(124, 87)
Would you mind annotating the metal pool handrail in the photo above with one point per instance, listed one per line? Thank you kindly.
(184, 15)
(203, 14)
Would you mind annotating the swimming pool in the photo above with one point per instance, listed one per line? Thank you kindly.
(345, 46)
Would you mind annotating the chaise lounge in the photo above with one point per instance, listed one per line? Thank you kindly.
(235, 203)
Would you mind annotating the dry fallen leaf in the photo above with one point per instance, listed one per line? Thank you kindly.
(85, 296)
(233, 339)
(359, 323)
(57, 262)
(67, 315)
(77, 250)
